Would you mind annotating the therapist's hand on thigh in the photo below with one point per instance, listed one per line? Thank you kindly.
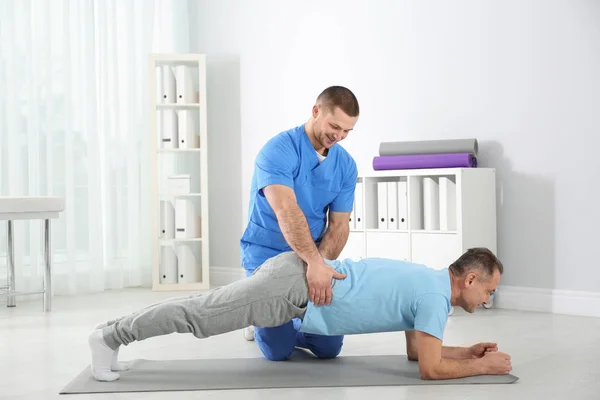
(319, 276)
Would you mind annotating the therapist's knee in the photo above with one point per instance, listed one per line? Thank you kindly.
(276, 344)
(331, 347)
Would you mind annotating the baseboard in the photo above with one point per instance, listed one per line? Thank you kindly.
(221, 276)
(554, 301)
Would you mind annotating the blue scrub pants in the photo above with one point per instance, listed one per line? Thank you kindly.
(278, 343)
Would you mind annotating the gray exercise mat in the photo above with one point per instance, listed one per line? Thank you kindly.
(302, 371)
(443, 146)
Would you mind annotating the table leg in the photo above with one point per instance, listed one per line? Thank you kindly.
(11, 300)
(48, 267)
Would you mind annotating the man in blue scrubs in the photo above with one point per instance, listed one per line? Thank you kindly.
(301, 198)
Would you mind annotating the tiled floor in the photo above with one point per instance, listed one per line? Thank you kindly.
(555, 356)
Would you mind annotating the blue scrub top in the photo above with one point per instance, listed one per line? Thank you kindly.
(290, 159)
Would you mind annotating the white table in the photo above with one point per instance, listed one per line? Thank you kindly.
(23, 208)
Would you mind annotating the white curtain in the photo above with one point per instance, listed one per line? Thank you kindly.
(74, 123)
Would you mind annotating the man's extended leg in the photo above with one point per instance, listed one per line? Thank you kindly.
(275, 294)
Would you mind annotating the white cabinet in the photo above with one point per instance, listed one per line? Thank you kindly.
(436, 250)
(388, 245)
(355, 246)
(428, 216)
(179, 171)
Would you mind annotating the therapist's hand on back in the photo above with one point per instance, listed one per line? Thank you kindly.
(319, 276)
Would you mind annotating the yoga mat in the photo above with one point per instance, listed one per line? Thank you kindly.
(303, 371)
(429, 147)
(420, 161)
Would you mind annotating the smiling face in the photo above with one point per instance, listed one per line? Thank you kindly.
(476, 288)
(330, 126)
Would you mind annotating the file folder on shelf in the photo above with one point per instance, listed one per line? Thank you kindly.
(169, 130)
(168, 85)
(402, 205)
(431, 210)
(187, 222)
(167, 220)
(186, 93)
(447, 199)
(168, 265)
(188, 139)
(392, 205)
(415, 218)
(187, 266)
(382, 210)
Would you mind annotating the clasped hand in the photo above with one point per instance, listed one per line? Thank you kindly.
(319, 276)
(495, 361)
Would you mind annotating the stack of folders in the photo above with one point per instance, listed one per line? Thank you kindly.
(179, 128)
(179, 220)
(431, 204)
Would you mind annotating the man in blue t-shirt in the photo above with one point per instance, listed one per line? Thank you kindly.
(377, 295)
(301, 197)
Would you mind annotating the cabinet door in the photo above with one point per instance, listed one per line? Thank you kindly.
(436, 250)
(355, 247)
(392, 245)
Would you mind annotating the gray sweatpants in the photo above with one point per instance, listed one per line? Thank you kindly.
(276, 293)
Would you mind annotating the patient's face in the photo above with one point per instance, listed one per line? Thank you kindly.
(478, 288)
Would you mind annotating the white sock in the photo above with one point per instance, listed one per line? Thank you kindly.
(115, 364)
(102, 357)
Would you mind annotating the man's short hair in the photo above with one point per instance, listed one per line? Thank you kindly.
(480, 258)
(339, 96)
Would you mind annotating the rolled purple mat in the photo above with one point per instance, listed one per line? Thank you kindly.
(421, 161)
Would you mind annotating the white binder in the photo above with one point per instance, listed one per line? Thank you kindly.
(392, 205)
(168, 265)
(167, 220)
(187, 266)
(169, 131)
(358, 206)
(168, 85)
(402, 206)
(431, 203)
(382, 210)
(185, 85)
(187, 135)
(415, 219)
(187, 223)
(447, 194)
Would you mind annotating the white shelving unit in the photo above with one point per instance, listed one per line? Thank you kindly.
(178, 136)
(432, 216)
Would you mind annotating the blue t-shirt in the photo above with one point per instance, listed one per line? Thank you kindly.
(290, 159)
(382, 295)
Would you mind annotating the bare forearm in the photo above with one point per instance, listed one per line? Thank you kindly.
(456, 353)
(294, 227)
(450, 369)
(334, 241)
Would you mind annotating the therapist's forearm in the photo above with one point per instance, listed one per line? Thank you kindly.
(334, 241)
(294, 227)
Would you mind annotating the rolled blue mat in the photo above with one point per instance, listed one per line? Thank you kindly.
(429, 147)
(421, 161)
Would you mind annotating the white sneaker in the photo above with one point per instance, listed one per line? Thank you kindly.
(249, 333)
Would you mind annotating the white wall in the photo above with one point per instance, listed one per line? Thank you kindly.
(521, 76)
